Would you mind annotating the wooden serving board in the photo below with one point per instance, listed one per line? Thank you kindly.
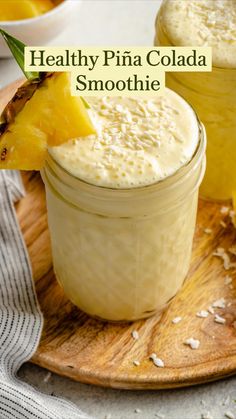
(100, 353)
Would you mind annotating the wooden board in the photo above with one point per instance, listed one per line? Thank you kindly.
(94, 352)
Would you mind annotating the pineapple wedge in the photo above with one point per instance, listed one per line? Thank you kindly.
(41, 114)
(23, 9)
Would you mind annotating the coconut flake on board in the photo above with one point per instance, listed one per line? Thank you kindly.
(207, 230)
(176, 320)
(202, 313)
(224, 210)
(135, 335)
(158, 362)
(193, 343)
(219, 303)
(219, 319)
(222, 254)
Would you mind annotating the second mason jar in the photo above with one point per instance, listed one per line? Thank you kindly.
(213, 95)
(122, 251)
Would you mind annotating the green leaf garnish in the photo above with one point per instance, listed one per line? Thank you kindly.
(18, 48)
(86, 104)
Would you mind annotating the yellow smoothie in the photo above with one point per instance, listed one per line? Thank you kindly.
(213, 95)
(24, 9)
(122, 205)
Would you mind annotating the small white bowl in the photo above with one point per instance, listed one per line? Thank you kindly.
(41, 29)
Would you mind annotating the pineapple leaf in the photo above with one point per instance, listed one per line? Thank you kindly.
(17, 48)
(85, 103)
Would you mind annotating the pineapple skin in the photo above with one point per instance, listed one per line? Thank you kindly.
(23, 9)
(41, 114)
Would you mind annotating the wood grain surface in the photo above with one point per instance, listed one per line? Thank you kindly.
(100, 353)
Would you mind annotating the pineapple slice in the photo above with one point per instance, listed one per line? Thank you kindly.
(23, 9)
(41, 114)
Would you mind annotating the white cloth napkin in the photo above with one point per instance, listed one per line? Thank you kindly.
(21, 320)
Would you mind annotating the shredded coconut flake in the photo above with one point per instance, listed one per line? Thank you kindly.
(193, 343)
(135, 335)
(157, 361)
(137, 411)
(211, 310)
(207, 230)
(224, 210)
(176, 320)
(219, 303)
(202, 313)
(136, 363)
(219, 319)
(221, 253)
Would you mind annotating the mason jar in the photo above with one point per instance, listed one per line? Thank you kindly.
(213, 96)
(122, 254)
